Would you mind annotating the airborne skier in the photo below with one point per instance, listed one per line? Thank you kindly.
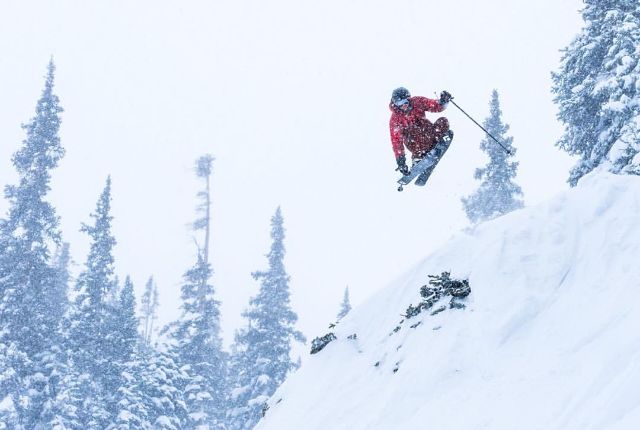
(411, 129)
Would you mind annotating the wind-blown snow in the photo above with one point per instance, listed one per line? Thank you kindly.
(549, 340)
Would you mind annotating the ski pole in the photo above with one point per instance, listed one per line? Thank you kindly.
(483, 129)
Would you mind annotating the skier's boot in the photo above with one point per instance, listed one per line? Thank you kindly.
(437, 152)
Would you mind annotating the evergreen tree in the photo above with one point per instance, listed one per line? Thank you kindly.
(497, 194)
(196, 335)
(163, 385)
(92, 403)
(149, 308)
(58, 295)
(597, 89)
(198, 346)
(261, 359)
(121, 340)
(204, 168)
(129, 410)
(13, 366)
(89, 317)
(26, 275)
(124, 325)
(58, 390)
(345, 306)
(29, 289)
(90, 333)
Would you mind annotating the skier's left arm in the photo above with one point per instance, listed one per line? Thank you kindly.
(431, 105)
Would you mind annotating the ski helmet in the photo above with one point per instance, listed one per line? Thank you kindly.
(400, 96)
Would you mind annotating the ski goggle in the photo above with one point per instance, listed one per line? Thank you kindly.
(401, 102)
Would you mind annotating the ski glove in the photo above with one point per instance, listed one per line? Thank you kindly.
(445, 97)
(402, 165)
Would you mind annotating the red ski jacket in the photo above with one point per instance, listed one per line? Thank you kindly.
(413, 130)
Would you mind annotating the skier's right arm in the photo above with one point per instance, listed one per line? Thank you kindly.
(398, 146)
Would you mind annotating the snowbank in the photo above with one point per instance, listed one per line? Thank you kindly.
(549, 339)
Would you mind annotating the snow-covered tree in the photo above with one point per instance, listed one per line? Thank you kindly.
(31, 227)
(90, 333)
(149, 306)
(29, 289)
(163, 385)
(197, 343)
(128, 408)
(261, 358)
(122, 326)
(497, 194)
(204, 168)
(13, 366)
(345, 306)
(198, 346)
(58, 296)
(56, 381)
(91, 306)
(597, 89)
(151, 387)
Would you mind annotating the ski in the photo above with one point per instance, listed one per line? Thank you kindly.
(423, 168)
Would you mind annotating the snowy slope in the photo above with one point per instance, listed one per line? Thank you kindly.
(550, 338)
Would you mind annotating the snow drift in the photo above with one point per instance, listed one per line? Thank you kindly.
(549, 338)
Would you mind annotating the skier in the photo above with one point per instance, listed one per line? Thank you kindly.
(409, 127)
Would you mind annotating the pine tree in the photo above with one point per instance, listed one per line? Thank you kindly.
(163, 385)
(196, 335)
(94, 285)
(149, 308)
(198, 347)
(125, 325)
(204, 168)
(29, 288)
(90, 332)
(58, 390)
(121, 338)
(261, 359)
(13, 368)
(58, 295)
(128, 409)
(31, 227)
(345, 306)
(497, 194)
(597, 89)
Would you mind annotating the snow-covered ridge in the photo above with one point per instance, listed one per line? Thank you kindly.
(549, 339)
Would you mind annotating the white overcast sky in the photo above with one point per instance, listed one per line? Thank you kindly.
(291, 98)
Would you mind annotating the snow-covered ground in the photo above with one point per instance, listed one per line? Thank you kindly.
(550, 338)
